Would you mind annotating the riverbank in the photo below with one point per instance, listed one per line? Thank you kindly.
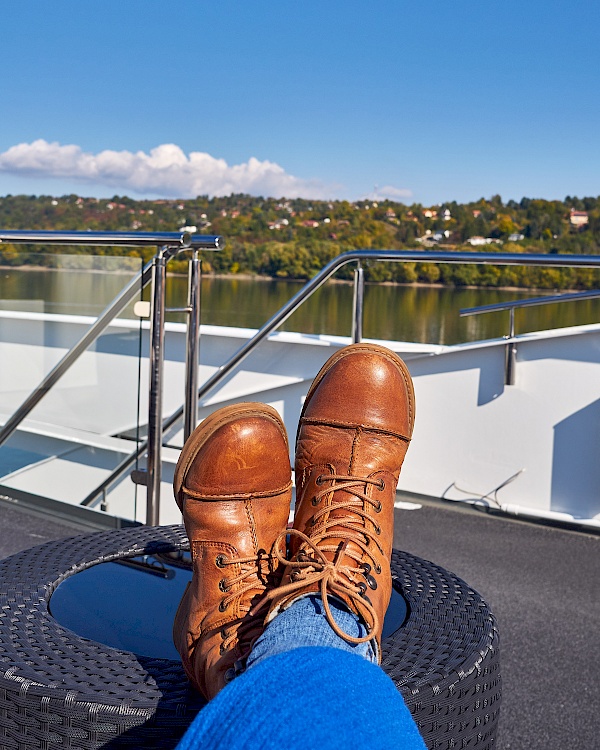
(271, 279)
(109, 264)
(401, 284)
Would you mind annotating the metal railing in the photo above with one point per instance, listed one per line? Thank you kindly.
(169, 244)
(182, 240)
(578, 261)
(511, 306)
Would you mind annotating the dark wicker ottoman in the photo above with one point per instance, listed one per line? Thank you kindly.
(58, 690)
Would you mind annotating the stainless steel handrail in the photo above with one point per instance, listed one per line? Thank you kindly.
(181, 240)
(169, 244)
(358, 301)
(511, 306)
(207, 242)
(116, 239)
(192, 349)
(530, 302)
(580, 261)
(153, 472)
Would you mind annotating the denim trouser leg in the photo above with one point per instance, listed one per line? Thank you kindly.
(304, 624)
(316, 697)
(307, 687)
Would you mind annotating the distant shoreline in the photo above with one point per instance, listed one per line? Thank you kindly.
(414, 284)
(261, 278)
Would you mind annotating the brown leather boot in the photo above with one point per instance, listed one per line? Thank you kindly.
(233, 485)
(354, 432)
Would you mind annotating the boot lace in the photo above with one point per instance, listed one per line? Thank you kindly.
(353, 523)
(249, 627)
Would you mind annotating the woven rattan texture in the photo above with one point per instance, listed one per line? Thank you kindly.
(58, 690)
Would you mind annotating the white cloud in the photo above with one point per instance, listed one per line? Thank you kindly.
(166, 171)
(390, 192)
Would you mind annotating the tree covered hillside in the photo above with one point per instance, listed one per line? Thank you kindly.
(295, 238)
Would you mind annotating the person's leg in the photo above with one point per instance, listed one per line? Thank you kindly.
(312, 697)
(305, 623)
(355, 428)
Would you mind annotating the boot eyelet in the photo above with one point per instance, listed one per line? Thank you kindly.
(224, 633)
(381, 487)
(314, 502)
(223, 586)
(229, 675)
(220, 561)
(222, 606)
(372, 583)
(362, 588)
(378, 508)
(378, 530)
(222, 649)
(378, 569)
(319, 479)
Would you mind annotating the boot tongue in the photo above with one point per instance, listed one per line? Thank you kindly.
(347, 551)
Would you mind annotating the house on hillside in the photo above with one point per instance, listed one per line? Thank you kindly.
(474, 241)
(578, 218)
(279, 224)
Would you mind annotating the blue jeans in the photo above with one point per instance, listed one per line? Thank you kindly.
(306, 687)
(304, 624)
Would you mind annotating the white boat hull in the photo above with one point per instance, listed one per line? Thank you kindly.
(529, 448)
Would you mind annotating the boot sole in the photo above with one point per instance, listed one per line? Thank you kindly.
(209, 426)
(351, 349)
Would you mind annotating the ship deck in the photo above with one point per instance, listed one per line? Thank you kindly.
(541, 582)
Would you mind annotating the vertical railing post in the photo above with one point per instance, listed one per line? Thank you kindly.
(192, 345)
(358, 304)
(511, 352)
(157, 337)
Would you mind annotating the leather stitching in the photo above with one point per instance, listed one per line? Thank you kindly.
(353, 426)
(250, 515)
(239, 496)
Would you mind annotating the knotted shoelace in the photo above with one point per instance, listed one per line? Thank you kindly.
(250, 627)
(337, 577)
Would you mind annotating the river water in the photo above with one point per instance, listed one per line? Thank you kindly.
(406, 313)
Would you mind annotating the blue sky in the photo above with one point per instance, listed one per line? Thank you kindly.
(427, 101)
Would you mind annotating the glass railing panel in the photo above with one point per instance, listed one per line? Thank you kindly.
(394, 312)
(72, 438)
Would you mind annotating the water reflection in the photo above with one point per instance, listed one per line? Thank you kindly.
(70, 291)
(422, 314)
